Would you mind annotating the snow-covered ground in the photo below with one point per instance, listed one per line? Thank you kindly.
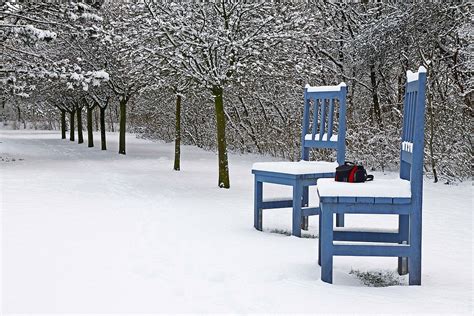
(88, 231)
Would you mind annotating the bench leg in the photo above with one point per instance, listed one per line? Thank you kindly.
(257, 211)
(414, 261)
(403, 230)
(297, 194)
(326, 236)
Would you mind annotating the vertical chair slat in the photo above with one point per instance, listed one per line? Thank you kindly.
(330, 118)
(306, 116)
(410, 127)
(415, 96)
(315, 118)
(405, 111)
(322, 126)
(341, 129)
(304, 150)
(408, 116)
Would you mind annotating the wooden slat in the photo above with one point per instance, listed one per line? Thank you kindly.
(309, 211)
(383, 200)
(406, 156)
(330, 118)
(368, 200)
(412, 117)
(320, 144)
(401, 200)
(411, 86)
(369, 250)
(328, 199)
(315, 118)
(277, 204)
(405, 111)
(306, 116)
(322, 120)
(407, 117)
(276, 178)
(367, 236)
(348, 199)
(413, 108)
(325, 95)
(363, 208)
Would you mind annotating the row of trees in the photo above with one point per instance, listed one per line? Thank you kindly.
(230, 75)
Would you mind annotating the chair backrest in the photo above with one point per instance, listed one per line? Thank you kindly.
(319, 130)
(412, 147)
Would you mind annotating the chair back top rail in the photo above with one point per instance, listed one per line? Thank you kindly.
(319, 129)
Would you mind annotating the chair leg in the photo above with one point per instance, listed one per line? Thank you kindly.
(326, 235)
(297, 193)
(305, 219)
(304, 222)
(414, 261)
(319, 238)
(305, 196)
(257, 216)
(403, 230)
(339, 220)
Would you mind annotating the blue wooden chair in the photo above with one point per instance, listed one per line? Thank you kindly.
(318, 131)
(401, 196)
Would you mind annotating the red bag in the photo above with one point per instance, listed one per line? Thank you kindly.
(350, 172)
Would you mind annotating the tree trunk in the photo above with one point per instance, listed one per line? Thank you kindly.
(90, 135)
(63, 124)
(71, 127)
(19, 116)
(221, 140)
(111, 121)
(102, 129)
(177, 141)
(123, 119)
(80, 137)
(96, 121)
(376, 114)
(400, 92)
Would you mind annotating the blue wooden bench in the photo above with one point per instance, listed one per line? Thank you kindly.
(402, 196)
(320, 129)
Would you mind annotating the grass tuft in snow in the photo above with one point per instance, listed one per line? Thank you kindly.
(288, 233)
(10, 159)
(378, 278)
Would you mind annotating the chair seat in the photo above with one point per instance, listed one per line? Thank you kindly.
(296, 168)
(378, 188)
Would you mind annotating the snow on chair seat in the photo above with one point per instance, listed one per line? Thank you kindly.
(377, 191)
(299, 167)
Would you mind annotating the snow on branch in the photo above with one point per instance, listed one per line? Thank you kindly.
(35, 34)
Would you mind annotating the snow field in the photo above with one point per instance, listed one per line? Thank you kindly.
(88, 231)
